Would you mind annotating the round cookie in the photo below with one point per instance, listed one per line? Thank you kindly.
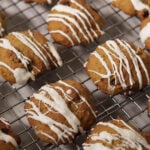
(119, 67)
(59, 111)
(74, 22)
(139, 8)
(25, 55)
(145, 32)
(8, 139)
(116, 135)
(2, 25)
(39, 1)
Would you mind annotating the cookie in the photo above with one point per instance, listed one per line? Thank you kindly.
(25, 55)
(139, 8)
(119, 67)
(2, 25)
(59, 111)
(8, 139)
(116, 135)
(39, 1)
(74, 22)
(145, 32)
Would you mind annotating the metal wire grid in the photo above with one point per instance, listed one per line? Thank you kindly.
(21, 16)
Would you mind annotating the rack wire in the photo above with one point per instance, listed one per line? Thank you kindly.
(133, 109)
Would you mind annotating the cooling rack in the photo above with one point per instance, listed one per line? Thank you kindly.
(133, 109)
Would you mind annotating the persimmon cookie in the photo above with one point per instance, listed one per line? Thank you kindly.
(116, 135)
(25, 55)
(59, 111)
(74, 22)
(119, 67)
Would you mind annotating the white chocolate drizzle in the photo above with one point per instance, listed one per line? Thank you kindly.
(53, 51)
(145, 33)
(83, 24)
(139, 5)
(127, 136)
(53, 101)
(116, 54)
(5, 137)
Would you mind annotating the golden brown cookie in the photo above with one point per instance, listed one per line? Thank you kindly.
(119, 67)
(116, 135)
(140, 8)
(25, 55)
(8, 139)
(73, 22)
(59, 111)
(2, 25)
(39, 1)
(145, 32)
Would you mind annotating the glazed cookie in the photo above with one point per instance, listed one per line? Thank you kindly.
(39, 1)
(2, 25)
(8, 139)
(140, 8)
(59, 111)
(116, 135)
(73, 22)
(119, 67)
(145, 32)
(25, 55)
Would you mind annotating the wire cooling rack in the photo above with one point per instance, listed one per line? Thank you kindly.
(133, 109)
